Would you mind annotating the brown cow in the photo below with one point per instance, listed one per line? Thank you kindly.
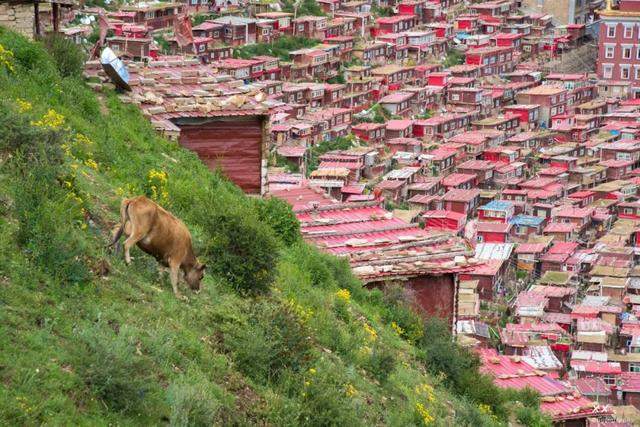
(161, 235)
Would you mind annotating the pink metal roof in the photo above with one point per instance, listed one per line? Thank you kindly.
(443, 214)
(596, 367)
(477, 164)
(630, 381)
(560, 227)
(563, 248)
(513, 372)
(456, 179)
(458, 195)
(398, 124)
(554, 291)
(530, 248)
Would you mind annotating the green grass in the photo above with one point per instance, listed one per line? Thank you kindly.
(271, 339)
(279, 48)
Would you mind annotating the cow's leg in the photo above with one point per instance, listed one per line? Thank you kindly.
(134, 238)
(174, 274)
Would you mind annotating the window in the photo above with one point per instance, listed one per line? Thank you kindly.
(609, 51)
(609, 379)
(607, 71)
(634, 367)
(636, 70)
(626, 52)
(628, 32)
(624, 72)
(611, 31)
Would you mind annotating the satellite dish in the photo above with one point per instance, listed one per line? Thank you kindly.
(115, 69)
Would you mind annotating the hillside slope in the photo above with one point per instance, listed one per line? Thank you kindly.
(280, 334)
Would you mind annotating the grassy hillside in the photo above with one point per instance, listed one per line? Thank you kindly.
(280, 334)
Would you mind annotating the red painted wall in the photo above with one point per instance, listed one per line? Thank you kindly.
(233, 144)
(435, 295)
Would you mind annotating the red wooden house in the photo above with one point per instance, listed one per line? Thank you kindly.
(462, 201)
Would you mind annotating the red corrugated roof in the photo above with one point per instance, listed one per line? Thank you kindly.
(595, 367)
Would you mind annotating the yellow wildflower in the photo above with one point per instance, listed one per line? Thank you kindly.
(51, 120)
(6, 58)
(372, 334)
(344, 295)
(302, 313)
(350, 390)
(397, 328)
(312, 371)
(485, 409)
(91, 163)
(425, 390)
(427, 418)
(82, 139)
(23, 105)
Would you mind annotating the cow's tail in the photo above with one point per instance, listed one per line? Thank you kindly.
(124, 217)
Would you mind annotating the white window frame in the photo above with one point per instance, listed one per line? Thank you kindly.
(611, 31)
(626, 29)
(609, 51)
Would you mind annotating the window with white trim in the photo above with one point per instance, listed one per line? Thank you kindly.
(609, 51)
(611, 31)
(607, 71)
(634, 367)
(625, 72)
(626, 52)
(628, 31)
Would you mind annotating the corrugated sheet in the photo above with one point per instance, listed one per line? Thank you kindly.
(234, 146)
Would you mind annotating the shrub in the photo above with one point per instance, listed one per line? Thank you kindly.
(532, 417)
(279, 216)
(241, 249)
(68, 57)
(109, 366)
(397, 310)
(35, 144)
(194, 401)
(327, 400)
(276, 338)
(29, 55)
(47, 216)
(381, 362)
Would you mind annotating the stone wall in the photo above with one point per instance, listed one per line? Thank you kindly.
(18, 17)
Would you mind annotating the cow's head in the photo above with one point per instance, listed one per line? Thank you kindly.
(194, 276)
